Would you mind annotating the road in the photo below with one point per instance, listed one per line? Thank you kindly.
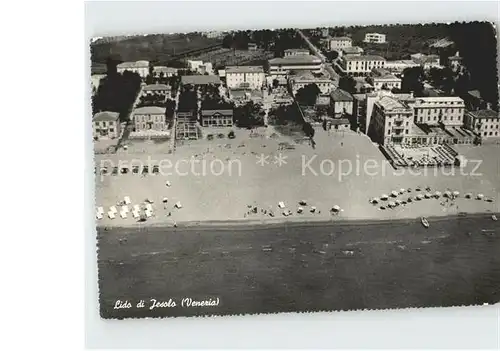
(326, 65)
(302, 267)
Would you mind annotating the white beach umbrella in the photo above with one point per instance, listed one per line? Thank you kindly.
(402, 190)
(135, 214)
(375, 200)
(437, 194)
(149, 207)
(123, 214)
(137, 208)
(447, 193)
(384, 197)
(98, 215)
(456, 193)
(127, 200)
(113, 209)
(281, 204)
(382, 207)
(394, 193)
(148, 213)
(165, 200)
(399, 202)
(178, 204)
(468, 195)
(111, 214)
(409, 199)
(392, 204)
(300, 209)
(420, 196)
(428, 195)
(168, 183)
(313, 208)
(480, 196)
(336, 208)
(125, 209)
(100, 210)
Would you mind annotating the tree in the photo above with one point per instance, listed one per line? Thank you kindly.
(348, 84)
(308, 95)
(412, 80)
(331, 55)
(276, 83)
(248, 115)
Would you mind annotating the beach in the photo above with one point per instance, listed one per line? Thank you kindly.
(345, 169)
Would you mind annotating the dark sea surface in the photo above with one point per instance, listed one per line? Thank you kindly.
(300, 267)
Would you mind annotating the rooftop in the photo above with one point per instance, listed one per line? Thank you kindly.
(164, 69)
(434, 99)
(341, 95)
(304, 76)
(149, 110)
(200, 79)
(340, 38)
(297, 50)
(389, 103)
(352, 50)
(298, 59)
(156, 87)
(337, 121)
(441, 43)
(364, 58)
(212, 112)
(105, 116)
(244, 69)
(475, 93)
(484, 114)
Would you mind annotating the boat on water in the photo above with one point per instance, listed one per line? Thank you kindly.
(424, 221)
(493, 217)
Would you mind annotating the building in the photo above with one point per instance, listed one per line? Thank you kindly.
(95, 81)
(106, 124)
(200, 80)
(426, 61)
(398, 66)
(149, 118)
(351, 51)
(301, 79)
(164, 71)
(341, 103)
(161, 89)
(282, 66)
(364, 105)
(382, 79)
(443, 110)
(374, 38)
(484, 123)
(338, 124)
(361, 65)
(295, 52)
(139, 67)
(339, 43)
(247, 77)
(392, 121)
(455, 62)
(216, 118)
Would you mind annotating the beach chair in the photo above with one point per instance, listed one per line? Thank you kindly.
(125, 209)
(178, 205)
(100, 210)
(98, 215)
(127, 200)
(111, 214)
(123, 215)
(135, 214)
(113, 209)
(149, 207)
(281, 204)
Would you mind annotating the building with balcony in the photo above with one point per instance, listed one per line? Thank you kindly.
(374, 38)
(382, 79)
(443, 110)
(139, 67)
(392, 121)
(361, 65)
(484, 123)
(245, 77)
(106, 125)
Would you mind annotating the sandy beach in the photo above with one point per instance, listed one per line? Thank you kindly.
(345, 169)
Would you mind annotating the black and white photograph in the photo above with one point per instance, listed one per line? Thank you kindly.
(262, 171)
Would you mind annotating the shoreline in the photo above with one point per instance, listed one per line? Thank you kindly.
(292, 222)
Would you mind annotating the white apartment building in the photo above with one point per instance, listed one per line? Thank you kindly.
(372, 98)
(139, 67)
(361, 65)
(392, 121)
(374, 38)
(248, 77)
(149, 118)
(485, 123)
(448, 110)
(281, 66)
(295, 52)
(339, 43)
(303, 79)
(167, 71)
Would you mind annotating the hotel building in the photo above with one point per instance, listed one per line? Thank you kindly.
(149, 118)
(374, 38)
(139, 67)
(339, 43)
(446, 110)
(392, 121)
(302, 79)
(485, 123)
(361, 65)
(282, 66)
(106, 124)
